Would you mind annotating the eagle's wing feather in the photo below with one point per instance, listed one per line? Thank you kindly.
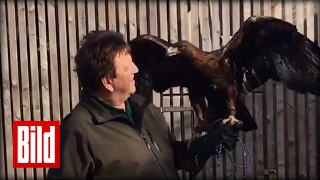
(270, 48)
(149, 54)
(147, 49)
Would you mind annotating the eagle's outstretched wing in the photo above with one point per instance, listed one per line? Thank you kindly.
(158, 72)
(149, 54)
(270, 48)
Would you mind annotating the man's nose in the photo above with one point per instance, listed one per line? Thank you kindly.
(135, 68)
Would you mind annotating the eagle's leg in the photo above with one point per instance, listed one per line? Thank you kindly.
(232, 96)
(199, 105)
(200, 111)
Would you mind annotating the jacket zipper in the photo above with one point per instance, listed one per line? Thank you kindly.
(147, 144)
(153, 140)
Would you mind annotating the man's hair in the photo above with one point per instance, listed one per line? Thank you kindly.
(95, 57)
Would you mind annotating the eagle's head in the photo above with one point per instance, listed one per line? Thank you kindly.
(180, 47)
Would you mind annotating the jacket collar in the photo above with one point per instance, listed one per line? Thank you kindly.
(138, 106)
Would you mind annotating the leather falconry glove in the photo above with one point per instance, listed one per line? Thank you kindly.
(205, 146)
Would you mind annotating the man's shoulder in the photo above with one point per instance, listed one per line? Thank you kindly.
(137, 98)
(78, 118)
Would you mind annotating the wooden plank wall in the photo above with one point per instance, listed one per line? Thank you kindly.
(40, 38)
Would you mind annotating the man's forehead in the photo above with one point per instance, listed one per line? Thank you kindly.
(123, 51)
(123, 58)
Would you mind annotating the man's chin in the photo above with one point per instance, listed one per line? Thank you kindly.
(132, 91)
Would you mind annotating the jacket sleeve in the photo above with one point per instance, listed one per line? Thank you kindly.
(76, 161)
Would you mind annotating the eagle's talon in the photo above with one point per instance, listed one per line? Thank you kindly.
(232, 121)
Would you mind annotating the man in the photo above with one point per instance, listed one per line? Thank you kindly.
(113, 133)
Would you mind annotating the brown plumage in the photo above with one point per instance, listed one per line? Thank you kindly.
(263, 48)
(157, 72)
(215, 68)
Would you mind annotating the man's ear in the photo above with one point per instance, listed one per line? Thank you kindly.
(107, 83)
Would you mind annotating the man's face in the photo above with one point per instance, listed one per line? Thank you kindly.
(125, 69)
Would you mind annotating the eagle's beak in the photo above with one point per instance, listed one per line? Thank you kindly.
(171, 51)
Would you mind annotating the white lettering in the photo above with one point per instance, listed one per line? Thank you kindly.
(49, 137)
(23, 144)
(39, 144)
(32, 144)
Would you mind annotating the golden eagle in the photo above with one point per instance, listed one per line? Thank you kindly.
(158, 72)
(263, 48)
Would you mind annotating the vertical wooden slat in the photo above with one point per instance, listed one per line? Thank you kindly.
(268, 141)
(122, 14)
(281, 170)
(258, 114)
(81, 13)
(173, 37)
(143, 27)
(215, 27)
(101, 11)
(288, 106)
(183, 35)
(310, 101)
(249, 140)
(43, 51)
(91, 20)
(132, 19)
(44, 69)
(112, 15)
(240, 158)
(300, 104)
(183, 16)
(173, 29)
(54, 81)
(63, 56)
(153, 18)
(215, 21)
(205, 34)
(164, 34)
(317, 101)
(204, 44)
(187, 22)
(153, 30)
(2, 120)
(318, 21)
(14, 77)
(34, 68)
(226, 32)
(72, 46)
(268, 121)
(174, 100)
(6, 96)
(163, 18)
(24, 64)
(194, 28)
(54, 68)
(295, 112)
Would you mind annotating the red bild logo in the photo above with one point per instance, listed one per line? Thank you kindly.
(36, 144)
